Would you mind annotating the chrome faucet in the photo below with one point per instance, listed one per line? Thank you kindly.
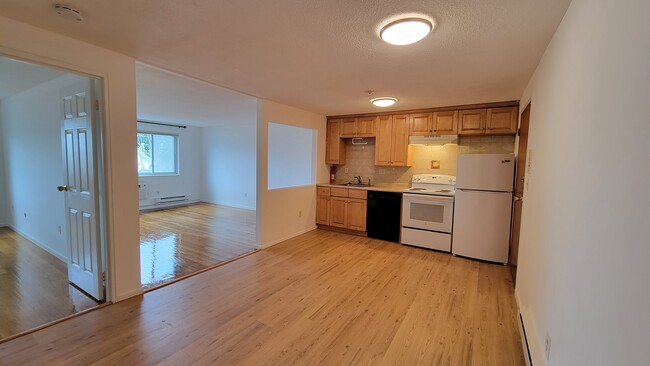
(358, 178)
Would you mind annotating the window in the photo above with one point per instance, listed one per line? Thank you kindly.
(292, 153)
(157, 154)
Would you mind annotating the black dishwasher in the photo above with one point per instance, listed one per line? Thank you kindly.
(383, 216)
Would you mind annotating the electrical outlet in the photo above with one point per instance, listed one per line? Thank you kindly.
(346, 170)
(548, 346)
(59, 229)
(299, 213)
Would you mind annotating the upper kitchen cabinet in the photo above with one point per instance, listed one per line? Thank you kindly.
(445, 123)
(472, 121)
(488, 121)
(366, 126)
(501, 121)
(392, 146)
(420, 124)
(358, 127)
(335, 148)
(436, 123)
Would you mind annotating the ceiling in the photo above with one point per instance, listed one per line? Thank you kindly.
(323, 55)
(18, 76)
(167, 97)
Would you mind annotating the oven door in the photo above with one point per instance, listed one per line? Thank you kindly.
(427, 212)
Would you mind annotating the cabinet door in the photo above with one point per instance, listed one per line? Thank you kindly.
(357, 214)
(445, 123)
(338, 211)
(471, 122)
(501, 121)
(366, 126)
(420, 124)
(335, 147)
(349, 127)
(323, 209)
(383, 141)
(400, 141)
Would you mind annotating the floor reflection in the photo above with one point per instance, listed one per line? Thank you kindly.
(180, 241)
(159, 257)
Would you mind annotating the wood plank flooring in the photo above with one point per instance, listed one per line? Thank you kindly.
(179, 241)
(34, 288)
(323, 298)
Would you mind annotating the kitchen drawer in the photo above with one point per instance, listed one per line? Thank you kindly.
(358, 193)
(339, 192)
(323, 191)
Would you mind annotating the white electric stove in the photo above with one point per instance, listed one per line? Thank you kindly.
(428, 211)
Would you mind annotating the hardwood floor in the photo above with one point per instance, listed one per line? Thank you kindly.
(179, 241)
(322, 298)
(34, 288)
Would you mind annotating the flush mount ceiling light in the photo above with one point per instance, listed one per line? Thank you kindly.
(406, 31)
(383, 101)
(68, 12)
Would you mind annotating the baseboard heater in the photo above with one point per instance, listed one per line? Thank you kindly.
(171, 199)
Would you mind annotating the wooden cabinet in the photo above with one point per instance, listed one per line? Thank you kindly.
(335, 147)
(490, 121)
(472, 121)
(323, 206)
(346, 208)
(420, 124)
(366, 126)
(358, 127)
(392, 145)
(501, 121)
(436, 123)
(445, 123)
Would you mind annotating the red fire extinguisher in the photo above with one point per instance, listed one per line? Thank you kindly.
(332, 175)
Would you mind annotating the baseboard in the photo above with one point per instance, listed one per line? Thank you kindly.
(233, 205)
(39, 244)
(129, 294)
(149, 208)
(530, 342)
(278, 241)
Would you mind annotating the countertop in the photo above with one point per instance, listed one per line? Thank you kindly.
(383, 187)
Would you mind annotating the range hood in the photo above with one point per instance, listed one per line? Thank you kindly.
(433, 140)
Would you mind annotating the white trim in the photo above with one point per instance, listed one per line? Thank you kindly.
(536, 355)
(126, 295)
(268, 245)
(39, 244)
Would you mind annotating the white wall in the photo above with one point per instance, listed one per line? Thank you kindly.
(3, 185)
(188, 180)
(284, 213)
(229, 165)
(585, 238)
(118, 72)
(30, 139)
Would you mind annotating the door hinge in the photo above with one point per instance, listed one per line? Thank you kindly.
(103, 276)
(519, 132)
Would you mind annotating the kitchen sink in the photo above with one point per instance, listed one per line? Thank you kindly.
(356, 185)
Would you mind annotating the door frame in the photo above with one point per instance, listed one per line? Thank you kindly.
(105, 210)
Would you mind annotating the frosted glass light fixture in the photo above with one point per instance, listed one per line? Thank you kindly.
(383, 101)
(406, 31)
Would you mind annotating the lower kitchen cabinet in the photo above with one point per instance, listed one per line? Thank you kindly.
(342, 208)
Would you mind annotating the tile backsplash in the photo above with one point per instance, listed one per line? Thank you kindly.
(361, 158)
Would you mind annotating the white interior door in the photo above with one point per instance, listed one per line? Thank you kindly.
(81, 188)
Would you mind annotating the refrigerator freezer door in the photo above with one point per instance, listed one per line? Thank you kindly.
(482, 225)
(486, 172)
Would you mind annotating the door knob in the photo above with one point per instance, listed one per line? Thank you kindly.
(62, 188)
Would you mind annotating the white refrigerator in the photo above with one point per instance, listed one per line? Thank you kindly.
(483, 206)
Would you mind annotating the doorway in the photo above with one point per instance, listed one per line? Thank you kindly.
(52, 257)
(520, 181)
(197, 154)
